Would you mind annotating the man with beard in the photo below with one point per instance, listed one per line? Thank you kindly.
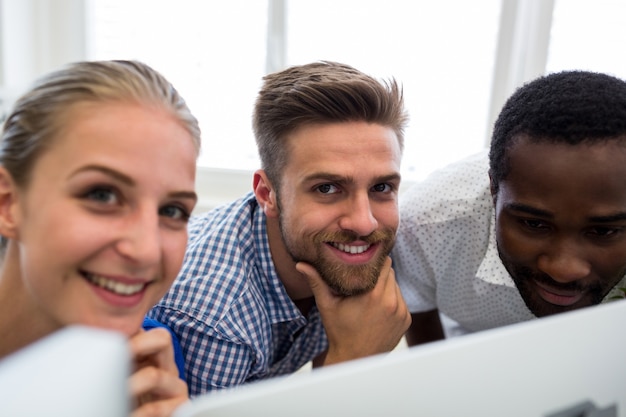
(298, 270)
(535, 227)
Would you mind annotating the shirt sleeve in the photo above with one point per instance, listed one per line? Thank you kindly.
(213, 361)
(148, 324)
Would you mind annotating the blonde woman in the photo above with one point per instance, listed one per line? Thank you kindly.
(97, 171)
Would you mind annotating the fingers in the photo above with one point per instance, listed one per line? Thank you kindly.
(402, 308)
(156, 392)
(155, 381)
(154, 345)
(391, 296)
(386, 278)
(156, 409)
(364, 324)
(317, 284)
(155, 385)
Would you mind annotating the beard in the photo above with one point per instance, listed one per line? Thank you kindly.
(343, 279)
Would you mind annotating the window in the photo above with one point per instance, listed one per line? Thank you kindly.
(457, 60)
(215, 53)
(588, 38)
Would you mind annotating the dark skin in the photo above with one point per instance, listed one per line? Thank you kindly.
(560, 227)
(561, 223)
(425, 327)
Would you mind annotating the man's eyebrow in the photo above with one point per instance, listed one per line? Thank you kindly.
(528, 210)
(389, 178)
(326, 176)
(611, 218)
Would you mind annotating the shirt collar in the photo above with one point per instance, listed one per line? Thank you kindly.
(491, 268)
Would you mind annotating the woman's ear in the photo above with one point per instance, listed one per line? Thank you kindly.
(265, 194)
(8, 205)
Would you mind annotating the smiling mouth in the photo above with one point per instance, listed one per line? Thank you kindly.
(564, 298)
(114, 286)
(350, 249)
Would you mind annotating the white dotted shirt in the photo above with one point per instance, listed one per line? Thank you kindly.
(446, 257)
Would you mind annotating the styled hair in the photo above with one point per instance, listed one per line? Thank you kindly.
(40, 113)
(319, 93)
(572, 107)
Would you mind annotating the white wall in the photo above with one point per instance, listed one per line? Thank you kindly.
(37, 36)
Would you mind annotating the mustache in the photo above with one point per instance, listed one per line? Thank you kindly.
(348, 236)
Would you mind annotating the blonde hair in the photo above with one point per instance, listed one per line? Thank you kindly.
(38, 114)
(320, 92)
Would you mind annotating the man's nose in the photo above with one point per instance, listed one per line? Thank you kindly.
(358, 216)
(565, 263)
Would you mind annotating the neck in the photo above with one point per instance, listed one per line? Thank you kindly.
(20, 317)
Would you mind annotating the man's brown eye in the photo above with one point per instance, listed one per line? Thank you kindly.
(381, 187)
(326, 188)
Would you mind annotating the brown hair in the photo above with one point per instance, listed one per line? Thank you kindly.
(320, 92)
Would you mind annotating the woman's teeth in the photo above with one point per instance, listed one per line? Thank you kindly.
(351, 249)
(114, 286)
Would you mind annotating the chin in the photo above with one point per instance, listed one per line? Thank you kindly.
(128, 326)
(351, 290)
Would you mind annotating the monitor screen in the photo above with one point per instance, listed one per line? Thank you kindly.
(551, 367)
(75, 372)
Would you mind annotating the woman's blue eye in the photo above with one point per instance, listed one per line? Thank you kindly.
(102, 195)
(174, 212)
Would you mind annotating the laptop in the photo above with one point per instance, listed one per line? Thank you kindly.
(571, 364)
(75, 372)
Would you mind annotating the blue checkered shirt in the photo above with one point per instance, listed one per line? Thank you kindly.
(228, 307)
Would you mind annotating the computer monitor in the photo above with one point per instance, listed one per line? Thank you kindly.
(75, 372)
(571, 364)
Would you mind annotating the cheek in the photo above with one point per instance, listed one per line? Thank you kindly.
(388, 216)
(611, 262)
(173, 255)
(512, 245)
(296, 220)
(47, 242)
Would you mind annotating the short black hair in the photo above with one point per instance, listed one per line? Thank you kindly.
(566, 107)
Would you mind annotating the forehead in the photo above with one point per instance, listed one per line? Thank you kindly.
(588, 174)
(110, 117)
(124, 136)
(343, 146)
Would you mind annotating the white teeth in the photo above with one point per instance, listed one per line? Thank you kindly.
(351, 249)
(114, 286)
